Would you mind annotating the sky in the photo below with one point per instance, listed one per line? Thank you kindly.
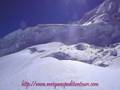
(17, 14)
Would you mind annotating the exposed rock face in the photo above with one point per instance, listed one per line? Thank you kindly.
(108, 11)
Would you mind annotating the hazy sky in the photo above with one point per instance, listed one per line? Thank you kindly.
(20, 13)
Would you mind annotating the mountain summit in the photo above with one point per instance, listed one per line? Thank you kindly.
(107, 12)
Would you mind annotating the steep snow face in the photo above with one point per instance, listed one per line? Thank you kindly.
(107, 12)
(38, 65)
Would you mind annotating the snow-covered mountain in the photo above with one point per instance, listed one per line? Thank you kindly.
(100, 27)
(84, 51)
(108, 13)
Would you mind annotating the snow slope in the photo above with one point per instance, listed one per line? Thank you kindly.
(91, 54)
(31, 65)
